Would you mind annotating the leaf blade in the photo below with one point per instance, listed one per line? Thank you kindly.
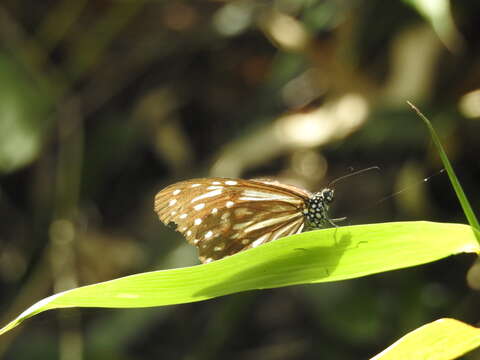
(467, 208)
(443, 339)
(311, 257)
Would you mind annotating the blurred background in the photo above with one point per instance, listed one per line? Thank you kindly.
(103, 103)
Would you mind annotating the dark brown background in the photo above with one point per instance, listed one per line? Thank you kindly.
(102, 103)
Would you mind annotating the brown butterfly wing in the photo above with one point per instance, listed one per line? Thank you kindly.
(224, 216)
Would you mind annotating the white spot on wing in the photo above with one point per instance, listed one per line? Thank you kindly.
(176, 192)
(207, 195)
(195, 185)
(197, 221)
(257, 242)
(216, 183)
(240, 226)
(287, 230)
(183, 216)
(229, 204)
(225, 216)
(270, 222)
(239, 212)
(209, 234)
(173, 213)
(261, 239)
(219, 247)
(246, 198)
(199, 207)
(214, 187)
(214, 211)
(231, 182)
(189, 232)
(255, 195)
(172, 202)
(290, 229)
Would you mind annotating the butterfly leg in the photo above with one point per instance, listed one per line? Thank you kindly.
(333, 221)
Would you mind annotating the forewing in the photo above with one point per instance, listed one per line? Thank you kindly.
(224, 216)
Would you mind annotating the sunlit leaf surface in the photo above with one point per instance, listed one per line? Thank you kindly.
(443, 339)
(311, 257)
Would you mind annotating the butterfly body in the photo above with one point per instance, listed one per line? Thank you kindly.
(316, 212)
(223, 216)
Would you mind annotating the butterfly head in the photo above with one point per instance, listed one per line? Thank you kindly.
(316, 211)
(327, 195)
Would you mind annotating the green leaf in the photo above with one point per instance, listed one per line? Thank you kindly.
(467, 209)
(473, 275)
(443, 339)
(311, 257)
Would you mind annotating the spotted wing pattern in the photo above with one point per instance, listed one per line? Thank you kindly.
(224, 216)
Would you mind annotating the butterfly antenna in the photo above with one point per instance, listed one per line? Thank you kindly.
(408, 187)
(353, 174)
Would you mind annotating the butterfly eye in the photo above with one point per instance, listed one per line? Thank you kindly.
(224, 216)
(328, 194)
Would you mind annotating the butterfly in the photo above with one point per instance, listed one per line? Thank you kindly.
(223, 216)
